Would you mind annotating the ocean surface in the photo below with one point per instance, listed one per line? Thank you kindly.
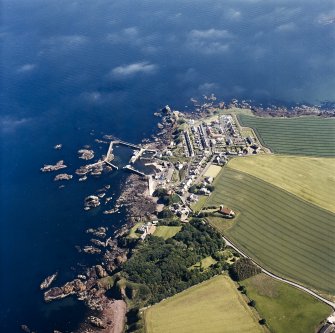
(72, 71)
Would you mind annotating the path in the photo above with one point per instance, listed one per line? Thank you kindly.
(294, 284)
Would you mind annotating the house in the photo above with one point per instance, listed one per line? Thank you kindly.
(227, 212)
(204, 191)
(193, 197)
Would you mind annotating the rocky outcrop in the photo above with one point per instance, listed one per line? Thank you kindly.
(97, 322)
(49, 167)
(91, 201)
(47, 281)
(63, 176)
(86, 154)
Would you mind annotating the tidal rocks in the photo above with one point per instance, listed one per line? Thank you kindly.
(91, 201)
(49, 167)
(91, 249)
(63, 176)
(48, 280)
(83, 170)
(97, 322)
(69, 288)
(86, 154)
(98, 242)
(58, 146)
(99, 232)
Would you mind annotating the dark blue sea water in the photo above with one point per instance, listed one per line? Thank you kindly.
(72, 67)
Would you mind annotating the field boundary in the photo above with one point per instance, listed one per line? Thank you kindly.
(277, 277)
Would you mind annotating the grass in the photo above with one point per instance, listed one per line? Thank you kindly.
(166, 231)
(312, 179)
(133, 233)
(213, 171)
(287, 235)
(285, 308)
(205, 263)
(311, 136)
(213, 306)
(200, 203)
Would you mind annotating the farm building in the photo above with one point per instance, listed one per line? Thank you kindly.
(226, 212)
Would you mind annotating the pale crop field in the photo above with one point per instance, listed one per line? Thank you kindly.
(311, 178)
(214, 306)
(287, 235)
(213, 171)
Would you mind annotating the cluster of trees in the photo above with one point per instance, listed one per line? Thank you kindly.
(164, 265)
(243, 269)
(165, 198)
(196, 187)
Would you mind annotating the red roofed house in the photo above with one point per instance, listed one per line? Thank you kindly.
(227, 212)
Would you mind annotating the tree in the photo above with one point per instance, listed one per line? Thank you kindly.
(252, 303)
(262, 321)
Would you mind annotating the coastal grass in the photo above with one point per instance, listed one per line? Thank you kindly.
(213, 306)
(132, 232)
(213, 171)
(166, 232)
(310, 135)
(289, 236)
(205, 263)
(311, 178)
(285, 308)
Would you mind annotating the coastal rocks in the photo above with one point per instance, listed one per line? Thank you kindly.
(98, 242)
(91, 201)
(83, 170)
(58, 146)
(48, 281)
(100, 271)
(86, 154)
(63, 176)
(99, 232)
(49, 167)
(91, 249)
(95, 321)
(70, 288)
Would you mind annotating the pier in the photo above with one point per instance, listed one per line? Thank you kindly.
(128, 167)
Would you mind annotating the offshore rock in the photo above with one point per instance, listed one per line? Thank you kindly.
(47, 281)
(91, 201)
(86, 154)
(49, 167)
(63, 176)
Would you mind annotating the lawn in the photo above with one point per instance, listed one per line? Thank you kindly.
(311, 178)
(132, 231)
(285, 308)
(205, 263)
(200, 203)
(289, 236)
(213, 306)
(166, 231)
(312, 136)
(213, 171)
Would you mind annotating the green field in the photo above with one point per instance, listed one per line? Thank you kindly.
(310, 136)
(205, 263)
(285, 308)
(166, 231)
(213, 306)
(311, 178)
(289, 236)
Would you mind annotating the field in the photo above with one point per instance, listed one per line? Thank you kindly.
(310, 136)
(132, 231)
(213, 171)
(312, 179)
(213, 306)
(289, 236)
(166, 231)
(286, 309)
(205, 263)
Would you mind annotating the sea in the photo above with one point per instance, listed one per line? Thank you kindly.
(72, 71)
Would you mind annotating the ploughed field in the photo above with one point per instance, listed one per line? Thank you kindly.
(310, 136)
(311, 178)
(282, 232)
(214, 306)
(285, 308)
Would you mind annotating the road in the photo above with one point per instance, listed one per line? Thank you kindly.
(296, 285)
